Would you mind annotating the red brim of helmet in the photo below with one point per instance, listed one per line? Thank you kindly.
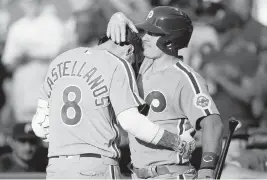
(149, 28)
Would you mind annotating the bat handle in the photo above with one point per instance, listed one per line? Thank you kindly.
(232, 125)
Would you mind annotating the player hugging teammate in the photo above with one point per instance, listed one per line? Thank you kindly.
(178, 96)
(82, 129)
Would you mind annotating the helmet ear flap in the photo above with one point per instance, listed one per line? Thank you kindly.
(168, 45)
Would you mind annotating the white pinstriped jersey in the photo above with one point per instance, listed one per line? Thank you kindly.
(86, 89)
(178, 98)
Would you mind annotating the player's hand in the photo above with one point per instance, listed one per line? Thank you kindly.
(40, 129)
(187, 143)
(40, 121)
(205, 174)
(117, 24)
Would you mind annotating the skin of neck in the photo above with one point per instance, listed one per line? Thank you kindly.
(164, 62)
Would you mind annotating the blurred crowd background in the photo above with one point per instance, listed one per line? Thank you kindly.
(228, 48)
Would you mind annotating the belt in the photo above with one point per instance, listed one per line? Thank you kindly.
(79, 155)
(158, 170)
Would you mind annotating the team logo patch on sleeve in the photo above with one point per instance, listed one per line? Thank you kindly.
(202, 101)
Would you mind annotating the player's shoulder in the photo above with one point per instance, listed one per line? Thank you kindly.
(75, 52)
(188, 74)
(116, 60)
(60, 56)
(114, 57)
(184, 69)
(64, 56)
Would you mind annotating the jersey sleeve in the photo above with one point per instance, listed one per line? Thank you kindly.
(194, 99)
(44, 92)
(123, 89)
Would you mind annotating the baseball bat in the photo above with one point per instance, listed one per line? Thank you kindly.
(232, 125)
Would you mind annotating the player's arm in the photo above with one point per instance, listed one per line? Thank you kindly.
(116, 29)
(125, 101)
(212, 128)
(198, 106)
(139, 126)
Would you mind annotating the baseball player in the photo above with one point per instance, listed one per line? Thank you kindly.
(177, 95)
(84, 90)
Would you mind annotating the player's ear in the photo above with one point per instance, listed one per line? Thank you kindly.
(130, 50)
(128, 54)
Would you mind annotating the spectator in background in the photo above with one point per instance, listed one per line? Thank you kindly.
(169, 2)
(4, 24)
(259, 14)
(135, 9)
(232, 68)
(259, 85)
(23, 144)
(204, 41)
(258, 89)
(86, 24)
(188, 6)
(32, 42)
(259, 11)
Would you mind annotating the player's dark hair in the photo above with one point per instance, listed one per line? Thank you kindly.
(135, 40)
(103, 39)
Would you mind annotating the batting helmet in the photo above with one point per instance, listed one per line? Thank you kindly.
(173, 25)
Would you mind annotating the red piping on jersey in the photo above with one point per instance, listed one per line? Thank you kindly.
(193, 81)
(191, 77)
(130, 76)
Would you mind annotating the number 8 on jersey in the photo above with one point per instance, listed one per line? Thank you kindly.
(71, 98)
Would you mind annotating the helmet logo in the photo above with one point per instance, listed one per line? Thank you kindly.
(150, 14)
